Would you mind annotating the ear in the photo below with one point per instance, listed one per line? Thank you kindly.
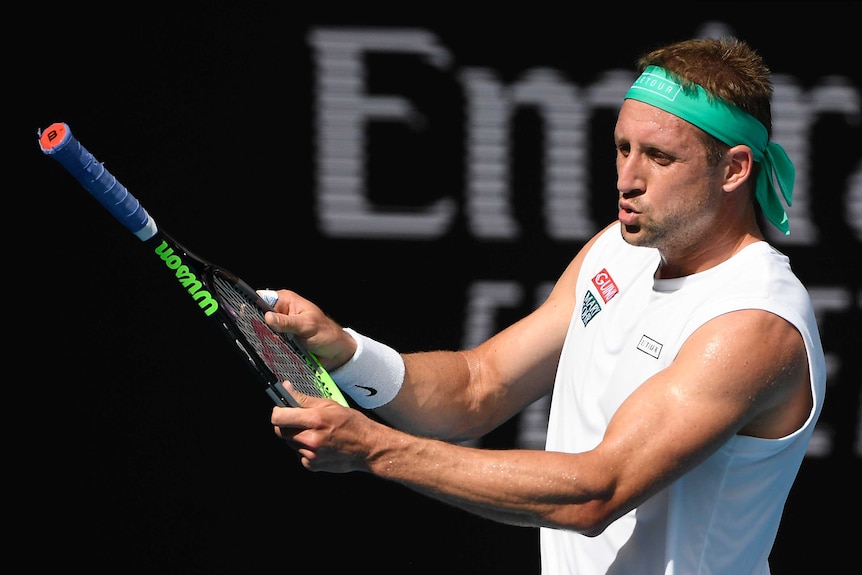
(739, 167)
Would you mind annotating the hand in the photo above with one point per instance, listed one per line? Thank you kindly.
(312, 329)
(325, 435)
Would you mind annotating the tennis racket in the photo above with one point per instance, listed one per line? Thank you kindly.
(235, 308)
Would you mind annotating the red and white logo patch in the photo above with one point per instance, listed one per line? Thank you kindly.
(605, 285)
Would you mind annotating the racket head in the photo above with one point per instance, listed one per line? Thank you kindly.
(273, 356)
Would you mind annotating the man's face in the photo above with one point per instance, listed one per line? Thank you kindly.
(670, 198)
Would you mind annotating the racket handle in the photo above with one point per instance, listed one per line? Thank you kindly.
(58, 142)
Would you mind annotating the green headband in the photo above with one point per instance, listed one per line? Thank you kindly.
(729, 124)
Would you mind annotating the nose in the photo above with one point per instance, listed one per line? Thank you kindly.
(629, 173)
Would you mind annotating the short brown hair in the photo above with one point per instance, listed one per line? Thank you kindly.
(726, 68)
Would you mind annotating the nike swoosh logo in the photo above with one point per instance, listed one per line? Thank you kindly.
(371, 391)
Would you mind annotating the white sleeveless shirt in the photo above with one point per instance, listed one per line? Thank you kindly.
(722, 516)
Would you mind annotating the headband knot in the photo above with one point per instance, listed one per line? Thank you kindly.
(732, 126)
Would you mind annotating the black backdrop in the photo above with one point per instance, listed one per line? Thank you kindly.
(143, 446)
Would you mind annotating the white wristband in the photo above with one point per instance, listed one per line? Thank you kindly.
(373, 376)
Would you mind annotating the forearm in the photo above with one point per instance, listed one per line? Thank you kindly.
(427, 393)
(518, 487)
(451, 395)
(435, 398)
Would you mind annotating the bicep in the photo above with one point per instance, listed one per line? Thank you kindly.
(460, 395)
(518, 365)
(738, 370)
(465, 394)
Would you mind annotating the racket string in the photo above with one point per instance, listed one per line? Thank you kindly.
(279, 353)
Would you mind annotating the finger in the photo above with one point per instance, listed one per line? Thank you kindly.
(274, 320)
(286, 420)
(281, 322)
(291, 416)
(304, 401)
(283, 300)
(301, 398)
(269, 296)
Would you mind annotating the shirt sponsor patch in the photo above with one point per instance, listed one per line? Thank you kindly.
(605, 284)
(590, 307)
(650, 346)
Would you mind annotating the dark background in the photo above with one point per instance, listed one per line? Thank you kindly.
(140, 444)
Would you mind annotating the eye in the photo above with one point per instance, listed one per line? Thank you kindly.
(662, 159)
(623, 150)
(659, 157)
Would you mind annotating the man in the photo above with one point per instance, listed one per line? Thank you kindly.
(681, 351)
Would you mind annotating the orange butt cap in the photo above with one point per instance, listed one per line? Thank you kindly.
(52, 135)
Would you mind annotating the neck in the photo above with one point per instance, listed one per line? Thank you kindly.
(698, 258)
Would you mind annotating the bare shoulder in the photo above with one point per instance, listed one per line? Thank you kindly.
(757, 362)
(565, 285)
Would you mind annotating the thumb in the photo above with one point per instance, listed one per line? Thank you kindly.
(300, 399)
(278, 322)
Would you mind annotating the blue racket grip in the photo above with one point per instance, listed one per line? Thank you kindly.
(58, 142)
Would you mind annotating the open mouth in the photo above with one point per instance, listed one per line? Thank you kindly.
(627, 214)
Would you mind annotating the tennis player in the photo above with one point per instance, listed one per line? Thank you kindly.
(680, 350)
